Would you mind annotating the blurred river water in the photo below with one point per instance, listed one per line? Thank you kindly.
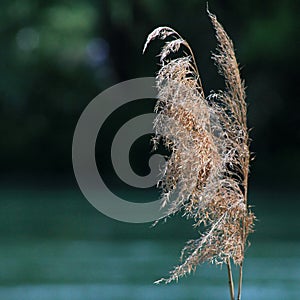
(55, 245)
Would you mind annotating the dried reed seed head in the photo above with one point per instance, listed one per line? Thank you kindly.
(171, 47)
(206, 174)
(161, 33)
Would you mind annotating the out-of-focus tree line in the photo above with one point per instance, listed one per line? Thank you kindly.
(57, 55)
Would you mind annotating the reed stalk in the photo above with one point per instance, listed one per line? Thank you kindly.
(206, 175)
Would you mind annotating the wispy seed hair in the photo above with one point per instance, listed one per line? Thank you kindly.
(206, 176)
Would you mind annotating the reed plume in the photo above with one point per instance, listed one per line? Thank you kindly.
(206, 175)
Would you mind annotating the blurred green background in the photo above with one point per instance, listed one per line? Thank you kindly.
(56, 56)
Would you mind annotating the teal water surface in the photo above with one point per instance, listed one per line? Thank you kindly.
(54, 245)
